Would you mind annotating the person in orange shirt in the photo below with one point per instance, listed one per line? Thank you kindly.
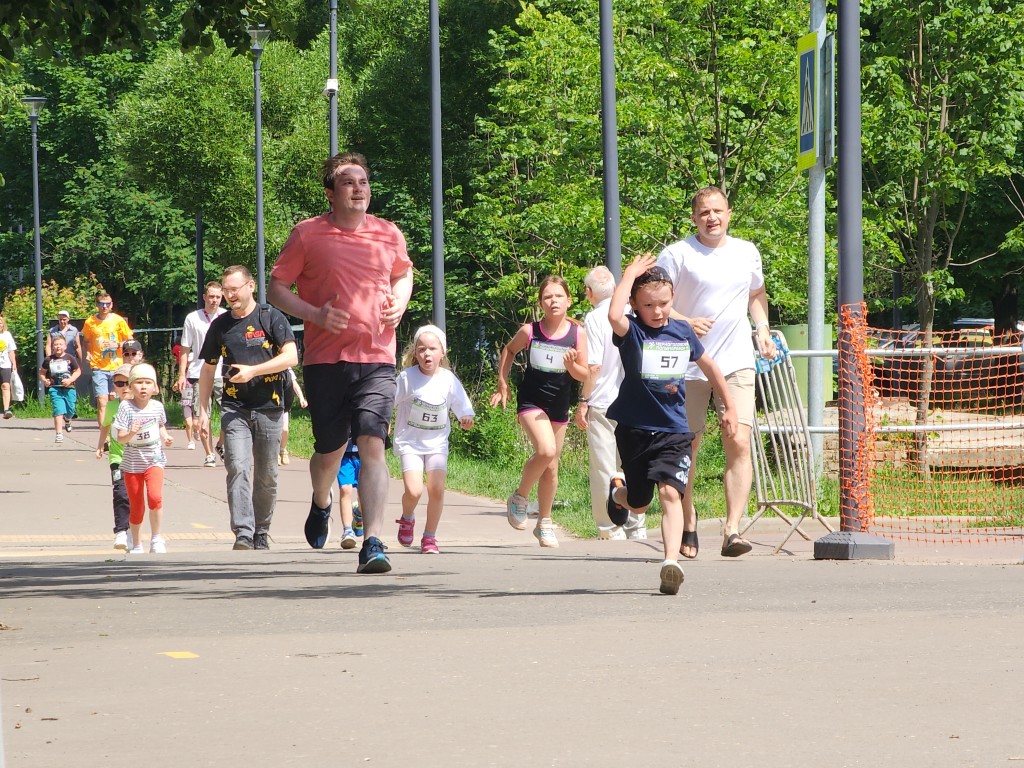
(104, 334)
(354, 280)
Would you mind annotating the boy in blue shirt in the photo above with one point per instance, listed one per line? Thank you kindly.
(652, 435)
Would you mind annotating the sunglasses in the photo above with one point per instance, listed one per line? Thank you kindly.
(104, 303)
(122, 383)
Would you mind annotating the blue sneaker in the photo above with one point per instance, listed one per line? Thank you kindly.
(318, 524)
(357, 520)
(372, 558)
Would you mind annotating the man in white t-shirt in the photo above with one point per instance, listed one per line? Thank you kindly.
(599, 390)
(190, 365)
(718, 280)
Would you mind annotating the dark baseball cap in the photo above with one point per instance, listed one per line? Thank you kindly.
(131, 346)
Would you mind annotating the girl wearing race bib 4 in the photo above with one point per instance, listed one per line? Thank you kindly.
(556, 354)
(426, 391)
(141, 427)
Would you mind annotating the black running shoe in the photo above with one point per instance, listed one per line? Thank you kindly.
(242, 542)
(318, 524)
(260, 541)
(372, 558)
(617, 513)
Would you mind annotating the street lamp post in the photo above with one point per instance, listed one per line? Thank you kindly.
(34, 104)
(259, 36)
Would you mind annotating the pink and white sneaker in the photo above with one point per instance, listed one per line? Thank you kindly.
(405, 530)
(428, 546)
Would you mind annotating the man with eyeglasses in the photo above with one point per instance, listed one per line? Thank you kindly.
(258, 346)
(104, 333)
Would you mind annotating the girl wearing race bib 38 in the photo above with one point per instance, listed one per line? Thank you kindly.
(426, 391)
(141, 427)
(556, 354)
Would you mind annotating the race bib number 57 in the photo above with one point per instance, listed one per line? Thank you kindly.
(664, 361)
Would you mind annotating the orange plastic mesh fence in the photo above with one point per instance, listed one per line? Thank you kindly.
(855, 484)
(948, 458)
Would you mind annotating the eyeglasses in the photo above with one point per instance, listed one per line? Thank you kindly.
(122, 383)
(104, 303)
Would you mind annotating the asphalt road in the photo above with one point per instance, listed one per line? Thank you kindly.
(495, 653)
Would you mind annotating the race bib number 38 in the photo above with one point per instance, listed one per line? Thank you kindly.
(547, 357)
(664, 361)
(427, 415)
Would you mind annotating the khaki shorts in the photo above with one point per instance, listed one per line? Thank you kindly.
(698, 397)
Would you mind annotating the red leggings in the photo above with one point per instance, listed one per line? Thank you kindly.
(143, 487)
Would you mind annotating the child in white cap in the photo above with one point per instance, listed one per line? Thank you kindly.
(141, 426)
(427, 389)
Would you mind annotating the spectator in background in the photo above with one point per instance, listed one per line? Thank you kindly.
(104, 334)
(8, 365)
(190, 364)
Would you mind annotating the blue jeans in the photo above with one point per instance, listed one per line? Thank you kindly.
(252, 442)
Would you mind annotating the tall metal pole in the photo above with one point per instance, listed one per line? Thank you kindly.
(259, 37)
(436, 186)
(609, 144)
(332, 93)
(200, 269)
(852, 542)
(816, 263)
(34, 104)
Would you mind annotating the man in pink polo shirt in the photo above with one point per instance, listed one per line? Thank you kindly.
(354, 280)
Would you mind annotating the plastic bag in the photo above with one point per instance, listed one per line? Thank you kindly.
(17, 388)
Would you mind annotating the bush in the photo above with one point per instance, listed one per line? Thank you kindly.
(19, 309)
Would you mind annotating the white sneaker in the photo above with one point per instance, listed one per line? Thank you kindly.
(211, 460)
(516, 511)
(636, 527)
(121, 540)
(545, 533)
(157, 546)
(191, 445)
(137, 550)
(671, 577)
(58, 438)
(611, 534)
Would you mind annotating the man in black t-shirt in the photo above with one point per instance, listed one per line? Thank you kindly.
(258, 346)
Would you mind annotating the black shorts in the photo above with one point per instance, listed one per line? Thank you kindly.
(557, 414)
(348, 400)
(649, 458)
(6, 374)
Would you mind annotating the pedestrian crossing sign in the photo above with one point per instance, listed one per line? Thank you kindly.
(807, 61)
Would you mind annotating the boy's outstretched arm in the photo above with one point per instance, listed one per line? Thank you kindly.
(617, 308)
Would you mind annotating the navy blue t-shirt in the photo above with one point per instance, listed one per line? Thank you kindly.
(654, 360)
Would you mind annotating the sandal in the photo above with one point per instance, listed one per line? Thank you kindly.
(690, 540)
(735, 546)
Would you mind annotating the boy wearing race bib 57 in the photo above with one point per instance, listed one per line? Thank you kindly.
(652, 434)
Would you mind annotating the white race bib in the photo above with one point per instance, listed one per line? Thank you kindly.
(664, 360)
(427, 415)
(148, 435)
(547, 357)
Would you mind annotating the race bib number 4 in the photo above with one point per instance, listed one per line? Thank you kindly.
(427, 415)
(547, 357)
(664, 361)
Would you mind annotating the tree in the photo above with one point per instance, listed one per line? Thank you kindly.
(943, 104)
(95, 26)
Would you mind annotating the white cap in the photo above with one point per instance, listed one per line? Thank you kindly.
(433, 329)
(64, 312)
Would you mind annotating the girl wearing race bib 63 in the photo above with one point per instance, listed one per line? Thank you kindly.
(426, 391)
(556, 348)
